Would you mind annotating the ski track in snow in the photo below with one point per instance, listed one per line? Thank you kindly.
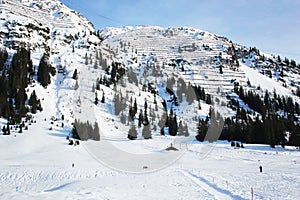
(213, 190)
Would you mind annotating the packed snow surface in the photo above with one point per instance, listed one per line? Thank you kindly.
(38, 164)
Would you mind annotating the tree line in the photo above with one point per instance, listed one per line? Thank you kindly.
(14, 80)
(271, 119)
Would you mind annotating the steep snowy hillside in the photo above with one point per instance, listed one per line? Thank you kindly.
(193, 50)
(230, 73)
(46, 28)
(47, 24)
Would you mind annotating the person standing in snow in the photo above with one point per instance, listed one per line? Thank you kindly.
(260, 169)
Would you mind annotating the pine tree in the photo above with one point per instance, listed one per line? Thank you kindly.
(95, 133)
(4, 130)
(96, 64)
(10, 108)
(152, 114)
(93, 88)
(132, 133)
(20, 99)
(96, 98)
(21, 129)
(3, 58)
(290, 106)
(221, 69)
(75, 75)
(190, 94)
(33, 102)
(8, 129)
(104, 64)
(297, 108)
(146, 132)
(97, 86)
(103, 98)
(173, 126)
(21, 65)
(4, 106)
(120, 103)
(202, 130)
(146, 120)
(162, 122)
(180, 129)
(123, 118)
(76, 86)
(117, 103)
(155, 101)
(113, 73)
(44, 71)
(298, 92)
(185, 130)
(162, 131)
(134, 107)
(141, 118)
(86, 59)
(74, 130)
(267, 100)
(130, 114)
(208, 99)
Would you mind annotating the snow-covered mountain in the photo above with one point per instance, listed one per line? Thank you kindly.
(200, 48)
(45, 28)
(132, 93)
(232, 74)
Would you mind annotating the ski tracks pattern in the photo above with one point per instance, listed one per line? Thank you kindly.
(213, 190)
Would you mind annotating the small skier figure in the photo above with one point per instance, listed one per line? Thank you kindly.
(72, 164)
(260, 169)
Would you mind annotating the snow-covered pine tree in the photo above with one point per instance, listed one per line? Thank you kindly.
(146, 132)
(123, 118)
(76, 86)
(145, 119)
(132, 133)
(96, 64)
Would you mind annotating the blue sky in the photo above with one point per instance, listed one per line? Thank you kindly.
(271, 25)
